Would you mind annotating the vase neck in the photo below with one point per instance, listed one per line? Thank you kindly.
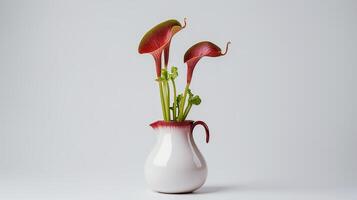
(172, 130)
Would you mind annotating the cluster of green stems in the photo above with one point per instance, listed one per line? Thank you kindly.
(177, 110)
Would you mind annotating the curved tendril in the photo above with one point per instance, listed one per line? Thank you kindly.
(184, 21)
(228, 43)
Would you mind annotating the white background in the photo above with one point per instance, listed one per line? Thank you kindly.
(76, 98)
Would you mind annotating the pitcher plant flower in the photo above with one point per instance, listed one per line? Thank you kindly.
(199, 50)
(191, 58)
(154, 42)
(158, 39)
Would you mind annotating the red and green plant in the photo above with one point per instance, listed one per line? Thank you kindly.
(157, 43)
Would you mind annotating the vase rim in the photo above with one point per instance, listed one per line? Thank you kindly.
(162, 123)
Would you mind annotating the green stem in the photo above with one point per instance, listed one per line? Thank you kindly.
(167, 104)
(174, 104)
(166, 97)
(187, 110)
(178, 111)
(162, 102)
(182, 103)
(167, 110)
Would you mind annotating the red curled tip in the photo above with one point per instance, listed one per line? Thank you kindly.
(226, 50)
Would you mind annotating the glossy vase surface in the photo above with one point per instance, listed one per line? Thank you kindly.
(175, 165)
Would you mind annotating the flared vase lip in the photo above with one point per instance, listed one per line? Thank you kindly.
(162, 123)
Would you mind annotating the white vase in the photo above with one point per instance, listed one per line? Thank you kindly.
(175, 165)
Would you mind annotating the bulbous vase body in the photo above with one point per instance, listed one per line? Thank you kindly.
(175, 165)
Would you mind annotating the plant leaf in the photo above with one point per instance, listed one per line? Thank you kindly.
(164, 74)
(178, 99)
(196, 100)
(174, 73)
(189, 92)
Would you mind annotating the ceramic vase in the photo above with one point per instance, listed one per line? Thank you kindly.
(175, 165)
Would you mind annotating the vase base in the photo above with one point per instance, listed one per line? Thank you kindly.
(176, 192)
